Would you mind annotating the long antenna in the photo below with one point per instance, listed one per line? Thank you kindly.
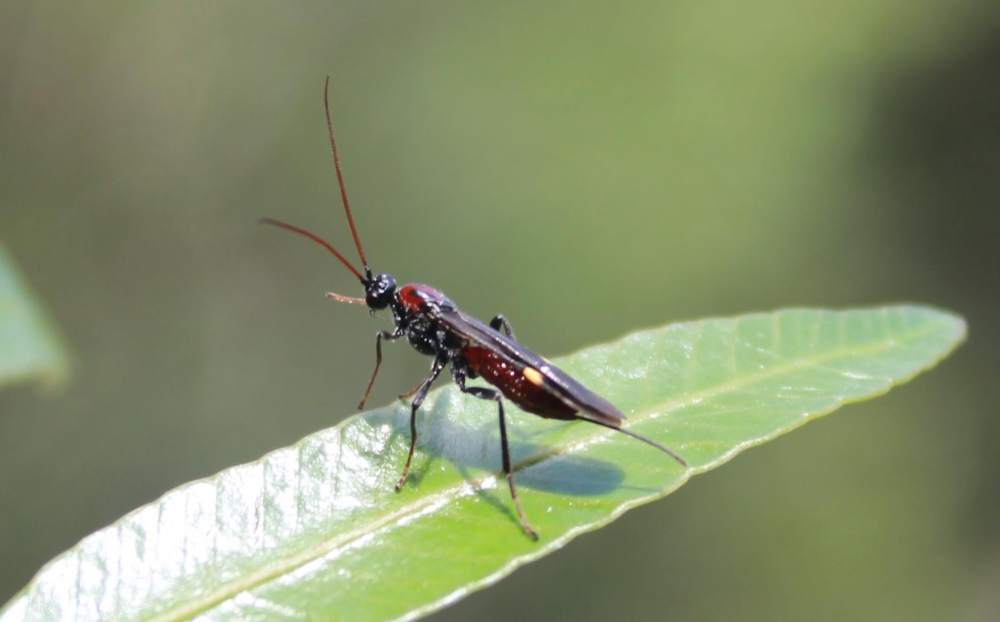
(340, 177)
(318, 240)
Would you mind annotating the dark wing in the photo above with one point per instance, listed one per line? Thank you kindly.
(588, 404)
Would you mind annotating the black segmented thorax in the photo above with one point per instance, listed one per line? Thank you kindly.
(424, 335)
(414, 308)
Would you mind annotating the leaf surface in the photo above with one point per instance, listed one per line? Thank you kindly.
(315, 531)
(29, 347)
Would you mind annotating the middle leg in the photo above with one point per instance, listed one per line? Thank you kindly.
(421, 392)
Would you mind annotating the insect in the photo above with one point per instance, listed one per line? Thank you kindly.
(433, 325)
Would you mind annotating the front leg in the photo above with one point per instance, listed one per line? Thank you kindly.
(382, 334)
(492, 394)
(439, 362)
(500, 321)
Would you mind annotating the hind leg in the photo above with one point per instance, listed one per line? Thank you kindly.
(492, 394)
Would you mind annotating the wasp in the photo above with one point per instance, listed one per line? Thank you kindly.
(436, 327)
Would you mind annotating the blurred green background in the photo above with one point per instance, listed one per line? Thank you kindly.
(587, 169)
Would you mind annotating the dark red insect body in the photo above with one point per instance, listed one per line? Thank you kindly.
(436, 327)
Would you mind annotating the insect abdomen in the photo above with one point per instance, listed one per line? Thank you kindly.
(524, 386)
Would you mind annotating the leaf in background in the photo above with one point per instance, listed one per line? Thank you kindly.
(29, 347)
(315, 531)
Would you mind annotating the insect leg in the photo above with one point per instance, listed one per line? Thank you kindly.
(492, 394)
(421, 393)
(382, 334)
(412, 391)
(501, 321)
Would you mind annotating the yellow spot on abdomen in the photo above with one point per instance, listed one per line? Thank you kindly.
(534, 376)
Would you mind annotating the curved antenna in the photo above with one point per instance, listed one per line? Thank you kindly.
(340, 178)
(318, 240)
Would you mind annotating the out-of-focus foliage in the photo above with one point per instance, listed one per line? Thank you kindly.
(29, 348)
(316, 531)
(587, 169)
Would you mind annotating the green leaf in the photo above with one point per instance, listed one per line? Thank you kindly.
(315, 531)
(29, 347)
